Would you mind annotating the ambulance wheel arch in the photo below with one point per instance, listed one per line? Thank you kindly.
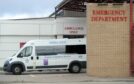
(17, 68)
(75, 67)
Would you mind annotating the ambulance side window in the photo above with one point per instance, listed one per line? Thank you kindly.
(22, 53)
(49, 50)
(26, 52)
(79, 49)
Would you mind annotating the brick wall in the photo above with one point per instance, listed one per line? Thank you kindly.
(108, 40)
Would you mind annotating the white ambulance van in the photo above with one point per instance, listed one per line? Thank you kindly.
(67, 54)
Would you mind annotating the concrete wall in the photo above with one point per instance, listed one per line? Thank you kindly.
(108, 40)
(12, 32)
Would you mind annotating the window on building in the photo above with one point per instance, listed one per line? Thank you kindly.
(73, 36)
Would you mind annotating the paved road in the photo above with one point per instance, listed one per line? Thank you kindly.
(57, 77)
(79, 83)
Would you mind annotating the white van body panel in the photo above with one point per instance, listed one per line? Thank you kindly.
(49, 60)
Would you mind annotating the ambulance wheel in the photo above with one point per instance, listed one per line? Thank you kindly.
(75, 68)
(16, 70)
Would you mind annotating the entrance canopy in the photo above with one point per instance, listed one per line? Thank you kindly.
(79, 5)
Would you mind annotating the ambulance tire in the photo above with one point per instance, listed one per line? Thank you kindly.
(75, 68)
(16, 70)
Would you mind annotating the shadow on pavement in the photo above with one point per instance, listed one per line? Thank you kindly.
(42, 72)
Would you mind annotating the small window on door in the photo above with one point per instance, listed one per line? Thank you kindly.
(26, 52)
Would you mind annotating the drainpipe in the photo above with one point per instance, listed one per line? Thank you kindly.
(131, 38)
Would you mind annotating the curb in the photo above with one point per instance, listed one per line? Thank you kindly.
(109, 80)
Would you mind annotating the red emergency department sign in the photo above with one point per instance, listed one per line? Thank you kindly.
(108, 16)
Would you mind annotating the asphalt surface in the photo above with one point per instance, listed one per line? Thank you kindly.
(59, 77)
